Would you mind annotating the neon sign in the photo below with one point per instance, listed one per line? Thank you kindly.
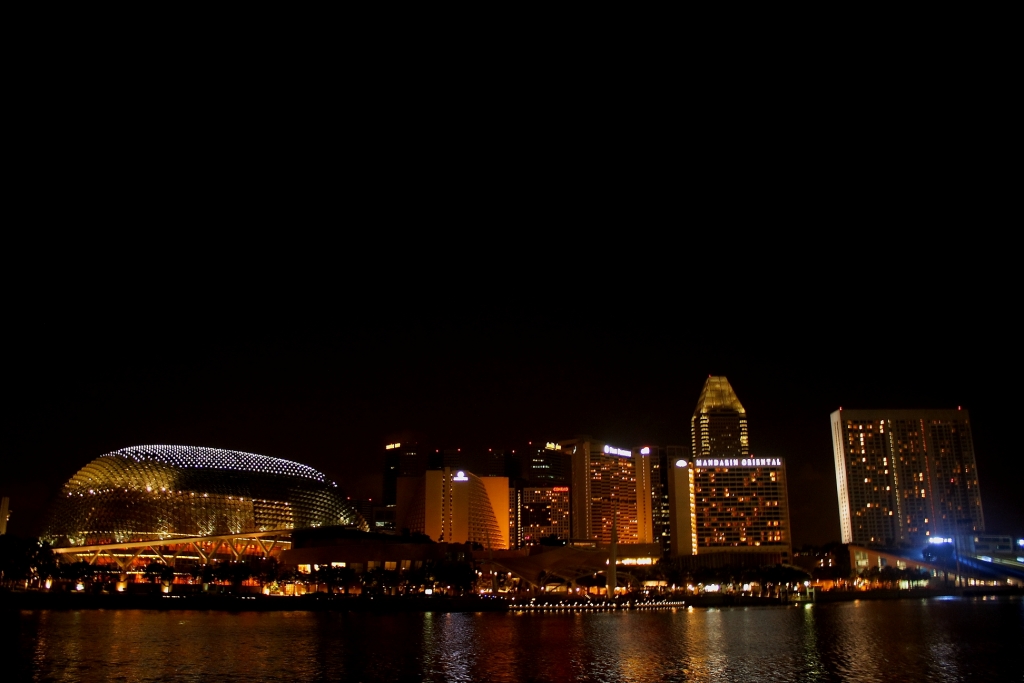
(392, 446)
(612, 450)
(560, 489)
(737, 462)
(460, 476)
(681, 463)
(551, 446)
(646, 450)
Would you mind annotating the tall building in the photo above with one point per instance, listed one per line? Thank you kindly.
(542, 512)
(455, 506)
(545, 465)
(723, 498)
(405, 455)
(608, 484)
(904, 476)
(662, 459)
(718, 427)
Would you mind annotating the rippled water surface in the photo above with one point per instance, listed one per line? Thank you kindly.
(970, 639)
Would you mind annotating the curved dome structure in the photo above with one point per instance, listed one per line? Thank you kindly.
(148, 493)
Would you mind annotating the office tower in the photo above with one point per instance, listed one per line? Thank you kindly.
(661, 459)
(904, 476)
(542, 512)
(608, 483)
(405, 455)
(545, 464)
(718, 427)
(723, 498)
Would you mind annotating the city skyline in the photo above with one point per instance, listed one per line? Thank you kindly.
(329, 392)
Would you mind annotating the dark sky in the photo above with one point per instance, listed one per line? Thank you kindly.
(316, 352)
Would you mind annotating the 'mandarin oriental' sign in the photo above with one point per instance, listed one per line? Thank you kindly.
(738, 462)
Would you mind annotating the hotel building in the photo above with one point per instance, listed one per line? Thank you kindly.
(724, 499)
(455, 506)
(905, 475)
(609, 483)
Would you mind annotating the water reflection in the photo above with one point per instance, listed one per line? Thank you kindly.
(927, 640)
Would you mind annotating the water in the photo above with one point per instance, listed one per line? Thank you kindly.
(968, 639)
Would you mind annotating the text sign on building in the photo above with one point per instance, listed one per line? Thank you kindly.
(560, 489)
(612, 450)
(460, 476)
(551, 446)
(739, 462)
(392, 446)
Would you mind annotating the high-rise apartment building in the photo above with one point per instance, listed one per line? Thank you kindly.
(904, 476)
(609, 485)
(723, 498)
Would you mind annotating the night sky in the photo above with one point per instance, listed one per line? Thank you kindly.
(316, 348)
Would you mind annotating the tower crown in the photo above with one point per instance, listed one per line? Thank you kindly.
(718, 395)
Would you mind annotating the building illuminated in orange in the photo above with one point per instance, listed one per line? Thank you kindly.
(609, 483)
(723, 498)
(455, 506)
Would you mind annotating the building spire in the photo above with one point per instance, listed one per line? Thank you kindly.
(718, 395)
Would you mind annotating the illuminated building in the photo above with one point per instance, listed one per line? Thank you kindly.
(723, 499)
(609, 483)
(547, 464)
(718, 427)
(455, 506)
(148, 493)
(542, 512)
(905, 475)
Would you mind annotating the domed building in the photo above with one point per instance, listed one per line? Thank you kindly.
(161, 493)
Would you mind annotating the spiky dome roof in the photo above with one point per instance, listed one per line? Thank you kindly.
(156, 492)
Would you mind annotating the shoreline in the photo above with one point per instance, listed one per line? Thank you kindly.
(37, 600)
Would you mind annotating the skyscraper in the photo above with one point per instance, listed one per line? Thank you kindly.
(725, 499)
(609, 483)
(661, 459)
(405, 455)
(905, 475)
(719, 424)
